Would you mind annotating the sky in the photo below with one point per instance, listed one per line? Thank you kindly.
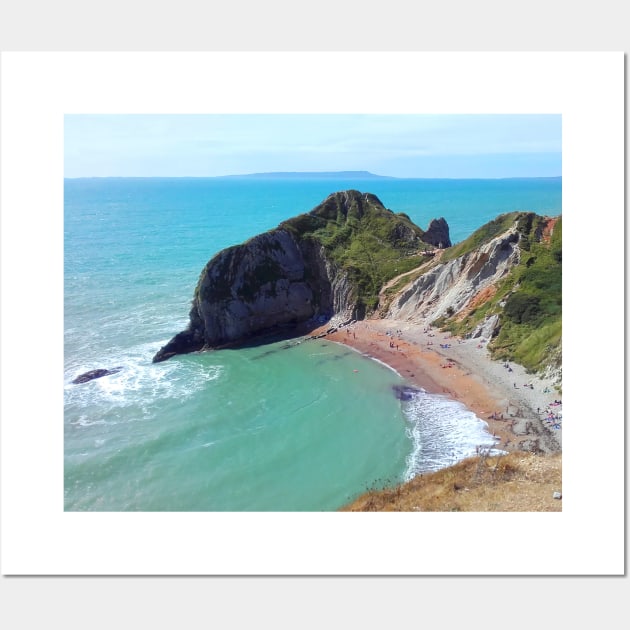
(199, 145)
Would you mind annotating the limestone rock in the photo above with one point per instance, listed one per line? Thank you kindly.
(438, 234)
(488, 328)
(450, 287)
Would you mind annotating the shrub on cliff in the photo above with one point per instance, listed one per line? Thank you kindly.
(368, 241)
(523, 308)
(527, 300)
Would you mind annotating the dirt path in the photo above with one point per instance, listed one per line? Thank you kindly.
(437, 255)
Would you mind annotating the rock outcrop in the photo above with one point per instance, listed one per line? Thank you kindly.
(323, 263)
(270, 281)
(438, 234)
(503, 284)
(450, 287)
(92, 374)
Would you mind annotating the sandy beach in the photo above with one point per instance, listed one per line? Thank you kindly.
(517, 406)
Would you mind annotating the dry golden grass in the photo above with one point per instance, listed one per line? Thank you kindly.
(516, 482)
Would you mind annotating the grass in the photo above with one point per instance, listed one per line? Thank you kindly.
(531, 347)
(516, 482)
(484, 234)
(360, 236)
(528, 300)
(372, 244)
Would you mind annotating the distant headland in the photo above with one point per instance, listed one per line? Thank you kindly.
(312, 175)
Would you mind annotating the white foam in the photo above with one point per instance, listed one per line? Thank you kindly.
(137, 380)
(389, 367)
(368, 356)
(442, 431)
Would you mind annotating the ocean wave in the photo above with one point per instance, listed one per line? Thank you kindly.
(442, 431)
(389, 367)
(86, 421)
(138, 379)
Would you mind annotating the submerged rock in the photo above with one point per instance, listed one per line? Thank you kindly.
(92, 374)
(405, 392)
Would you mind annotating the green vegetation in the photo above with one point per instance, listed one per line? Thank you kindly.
(222, 287)
(372, 244)
(420, 267)
(523, 308)
(537, 348)
(485, 233)
(266, 272)
(531, 331)
(528, 300)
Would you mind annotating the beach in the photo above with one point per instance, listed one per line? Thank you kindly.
(521, 409)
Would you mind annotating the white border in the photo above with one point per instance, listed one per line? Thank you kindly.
(39, 538)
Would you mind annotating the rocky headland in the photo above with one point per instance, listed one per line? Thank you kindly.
(328, 263)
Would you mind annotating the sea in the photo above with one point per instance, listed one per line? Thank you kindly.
(279, 426)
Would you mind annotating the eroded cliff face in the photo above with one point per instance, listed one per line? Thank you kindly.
(270, 281)
(292, 274)
(503, 283)
(454, 286)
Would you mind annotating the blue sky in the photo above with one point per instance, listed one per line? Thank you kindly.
(172, 145)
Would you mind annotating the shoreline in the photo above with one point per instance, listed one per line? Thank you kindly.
(462, 370)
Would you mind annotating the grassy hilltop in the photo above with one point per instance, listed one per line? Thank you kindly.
(366, 240)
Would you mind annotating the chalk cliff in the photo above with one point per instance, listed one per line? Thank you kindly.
(503, 283)
(449, 288)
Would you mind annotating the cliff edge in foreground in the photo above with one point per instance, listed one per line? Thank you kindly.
(331, 261)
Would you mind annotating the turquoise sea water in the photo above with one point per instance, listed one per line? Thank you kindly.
(282, 426)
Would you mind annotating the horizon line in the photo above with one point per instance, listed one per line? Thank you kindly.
(305, 173)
